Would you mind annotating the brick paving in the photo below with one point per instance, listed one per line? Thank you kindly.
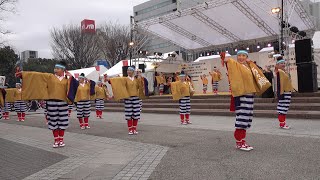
(19, 160)
(146, 156)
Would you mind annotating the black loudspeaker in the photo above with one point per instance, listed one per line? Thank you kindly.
(304, 51)
(124, 71)
(307, 77)
(276, 47)
(142, 67)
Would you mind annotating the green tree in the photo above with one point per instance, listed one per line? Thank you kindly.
(8, 60)
(40, 65)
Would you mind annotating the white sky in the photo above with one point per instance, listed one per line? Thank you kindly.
(35, 18)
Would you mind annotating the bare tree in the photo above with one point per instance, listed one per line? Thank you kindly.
(80, 50)
(6, 6)
(115, 39)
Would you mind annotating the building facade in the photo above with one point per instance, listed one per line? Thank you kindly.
(26, 55)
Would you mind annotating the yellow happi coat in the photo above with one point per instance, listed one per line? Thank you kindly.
(181, 89)
(241, 79)
(10, 95)
(160, 80)
(216, 76)
(1, 98)
(100, 92)
(44, 86)
(285, 82)
(123, 87)
(204, 80)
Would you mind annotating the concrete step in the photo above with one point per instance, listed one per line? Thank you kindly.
(257, 106)
(227, 100)
(315, 115)
(227, 95)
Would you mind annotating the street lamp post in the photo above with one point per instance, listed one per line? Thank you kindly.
(282, 24)
(130, 52)
(131, 38)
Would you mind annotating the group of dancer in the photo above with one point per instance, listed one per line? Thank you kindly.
(13, 102)
(61, 89)
(216, 76)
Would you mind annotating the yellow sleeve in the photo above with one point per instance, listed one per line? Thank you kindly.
(119, 88)
(285, 82)
(158, 78)
(219, 76)
(176, 90)
(35, 85)
(1, 99)
(10, 95)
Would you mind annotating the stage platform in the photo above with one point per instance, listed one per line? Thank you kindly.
(303, 106)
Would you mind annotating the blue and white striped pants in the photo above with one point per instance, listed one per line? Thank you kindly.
(132, 108)
(185, 105)
(161, 87)
(7, 107)
(83, 109)
(215, 85)
(57, 114)
(20, 106)
(99, 104)
(70, 106)
(284, 103)
(204, 87)
(244, 112)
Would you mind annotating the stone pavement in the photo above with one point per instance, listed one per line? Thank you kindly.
(203, 150)
(84, 157)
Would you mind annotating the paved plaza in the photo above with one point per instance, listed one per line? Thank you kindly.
(164, 149)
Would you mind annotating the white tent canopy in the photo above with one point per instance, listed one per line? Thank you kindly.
(316, 47)
(220, 22)
(90, 73)
(167, 64)
(209, 57)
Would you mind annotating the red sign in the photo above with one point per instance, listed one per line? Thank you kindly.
(88, 26)
(125, 63)
(97, 68)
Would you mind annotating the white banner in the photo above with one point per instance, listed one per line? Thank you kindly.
(2, 81)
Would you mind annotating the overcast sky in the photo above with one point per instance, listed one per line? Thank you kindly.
(34, 19)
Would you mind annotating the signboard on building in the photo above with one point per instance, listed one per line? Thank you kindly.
(88, 26)
(195, 70)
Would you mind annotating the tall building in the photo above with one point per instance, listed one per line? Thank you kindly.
(25, 55)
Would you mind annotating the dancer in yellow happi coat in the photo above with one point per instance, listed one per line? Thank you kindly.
(131, 90)
(284, 89)
(101, 94)
(216, 77)
(246, 79)
(182, 90)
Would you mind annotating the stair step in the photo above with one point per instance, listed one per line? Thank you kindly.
(257, 106)
(224, 112)
(227, 95)
(227, 100)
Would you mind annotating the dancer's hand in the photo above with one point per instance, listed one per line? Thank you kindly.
(68, 73)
